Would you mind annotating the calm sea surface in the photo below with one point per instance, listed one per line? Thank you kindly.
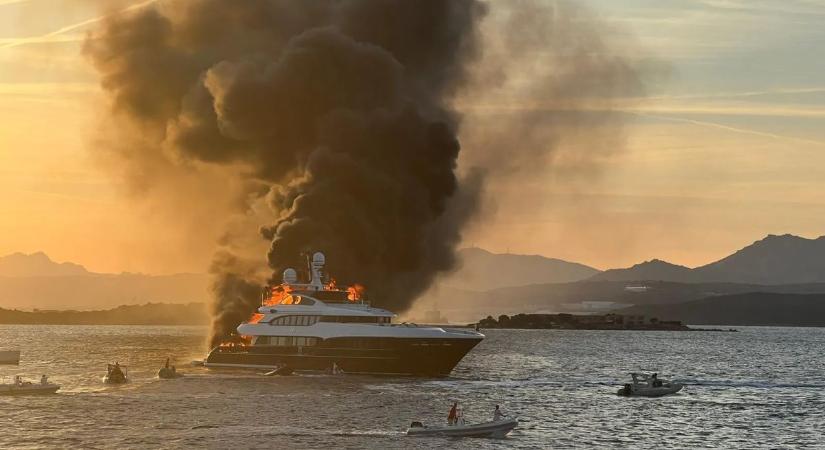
(758, 388)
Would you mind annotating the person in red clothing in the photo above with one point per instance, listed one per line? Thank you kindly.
(452, 418)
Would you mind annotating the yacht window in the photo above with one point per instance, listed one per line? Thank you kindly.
(294, 320)
(351, 319)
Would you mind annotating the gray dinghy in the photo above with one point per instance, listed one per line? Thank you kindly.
(494, 429)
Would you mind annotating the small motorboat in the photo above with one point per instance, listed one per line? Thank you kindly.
(168, 372)
(20, 387)
(115, 374)
(493, 429)
(645, 385)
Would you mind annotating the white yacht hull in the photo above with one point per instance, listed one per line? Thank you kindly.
(380, 356)
(495, 429)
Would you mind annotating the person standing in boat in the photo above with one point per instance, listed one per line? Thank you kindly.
(452, 418)
(44, 380)
(497, 414)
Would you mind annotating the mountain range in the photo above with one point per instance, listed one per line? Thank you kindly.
(479, 269)
(785, 259)
(35, 280)
(38, 265)
(496, 282)
(754, 308)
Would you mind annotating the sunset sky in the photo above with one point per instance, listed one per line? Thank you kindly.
(727, 146)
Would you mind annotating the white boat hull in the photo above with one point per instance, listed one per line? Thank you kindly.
(495, 429)
(649, 391)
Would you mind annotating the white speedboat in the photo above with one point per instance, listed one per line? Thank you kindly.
(20, 387)
(645, 385)
(311, 325)
(492, 429)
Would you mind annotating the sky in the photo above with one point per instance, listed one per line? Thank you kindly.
(727, 146)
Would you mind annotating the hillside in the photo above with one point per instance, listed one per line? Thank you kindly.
(759, 308)
(649, 270)
(592, 296)
(101, 290)
(774, 260)
(35, 281)
(482, 270)
(148, 314)
(37, 264)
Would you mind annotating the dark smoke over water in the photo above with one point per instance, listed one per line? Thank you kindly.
(339, 107)
(337, 115)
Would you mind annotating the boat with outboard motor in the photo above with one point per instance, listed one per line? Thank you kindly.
(21, 387)
(314, 326)
(115, 374)
(493, 429)
(168, 372)
(645, 385)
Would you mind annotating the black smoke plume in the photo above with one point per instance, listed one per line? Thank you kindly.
(339, 107)
(338, 115)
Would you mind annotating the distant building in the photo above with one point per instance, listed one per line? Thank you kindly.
(634, 320)
(636, 288)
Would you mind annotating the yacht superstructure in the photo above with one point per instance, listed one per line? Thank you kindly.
(315, 326)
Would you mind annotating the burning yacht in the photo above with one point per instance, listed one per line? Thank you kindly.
(315, 326)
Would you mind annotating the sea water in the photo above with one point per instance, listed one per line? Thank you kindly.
(756, 388)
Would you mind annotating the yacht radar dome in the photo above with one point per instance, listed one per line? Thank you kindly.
(316, 267)
(290, 276)
(318, 259)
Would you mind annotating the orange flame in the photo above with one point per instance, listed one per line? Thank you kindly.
(236, 341)
(277, 295)
(355, 292)
(255, 318)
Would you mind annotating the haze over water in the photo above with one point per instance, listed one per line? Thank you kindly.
(744, 390)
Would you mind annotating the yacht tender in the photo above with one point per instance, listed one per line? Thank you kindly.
(115, 374)
(20, 387)
(313, 326)
(645, 385)
(492, 429)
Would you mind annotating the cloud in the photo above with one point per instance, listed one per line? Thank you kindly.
(61, 34)
(720, 126)
(11, 2)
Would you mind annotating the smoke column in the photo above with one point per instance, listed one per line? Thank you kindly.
(337, 108)
(335, 114)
